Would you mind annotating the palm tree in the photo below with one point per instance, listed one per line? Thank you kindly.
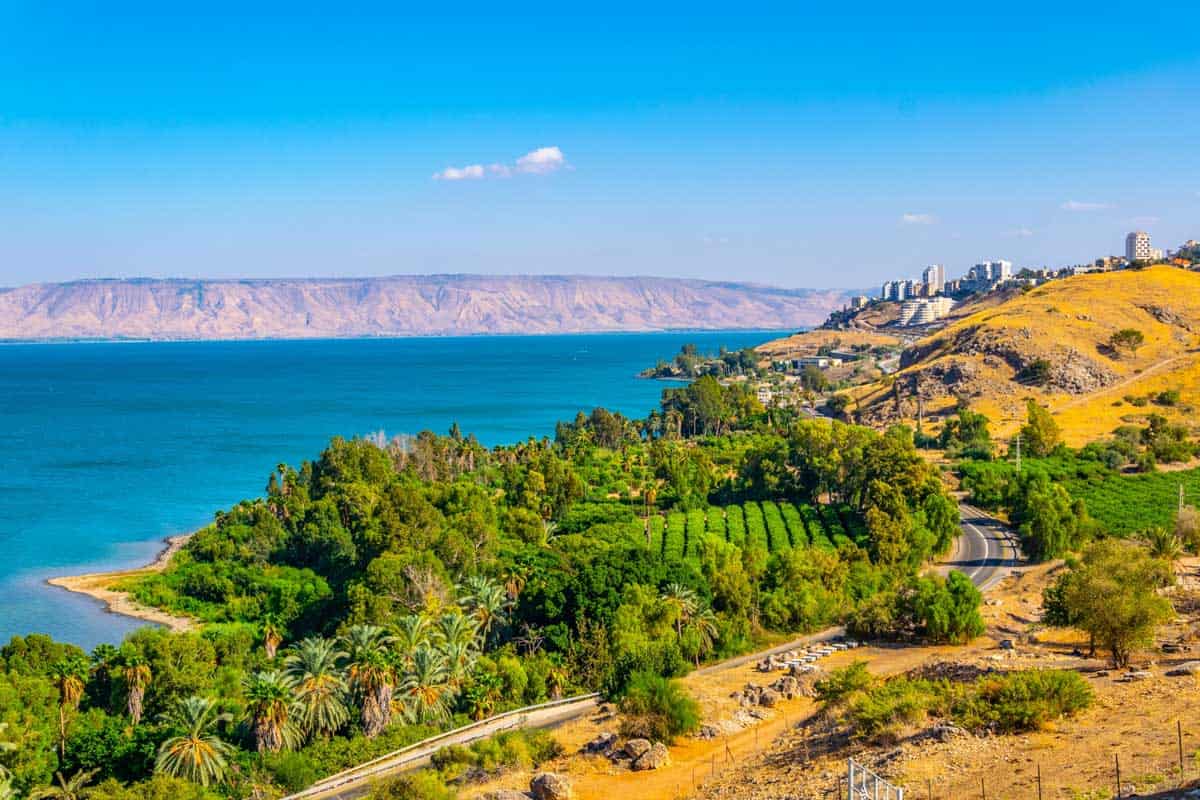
(459, 658)
(272, 633)
(412, 631)
(198, 754)
(556, 681)
(1163, 544)
(426, 689)
(68, 675)
(372, 675)
(67, 789)
(514, 580)
(486, 602)
(269, 705)
(104, 658)
(682, 601)
(454, 627)
(135, 672)
(314, 667)
(704, 625)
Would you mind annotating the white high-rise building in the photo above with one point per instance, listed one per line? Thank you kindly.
(934, 278)
(1000, 270)
(1137, 246)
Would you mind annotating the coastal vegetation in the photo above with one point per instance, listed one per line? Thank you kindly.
(390, 589)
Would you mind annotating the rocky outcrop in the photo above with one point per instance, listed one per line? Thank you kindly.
(396, 306)
(656, 757)
(550, 786)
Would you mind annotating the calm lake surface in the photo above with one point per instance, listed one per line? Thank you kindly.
(105, 449)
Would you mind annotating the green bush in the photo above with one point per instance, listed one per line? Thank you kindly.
(423, 785)
(658, 709)
(797, 532)
(716, 523)
(843, 682)
(756, 527)
(777, 532)
(1023, 701)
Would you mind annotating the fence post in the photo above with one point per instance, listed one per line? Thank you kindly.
(1117, 761)
(1179, 737)
(983, 788)
(1039, 779)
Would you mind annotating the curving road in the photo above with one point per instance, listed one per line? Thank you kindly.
(987, 550)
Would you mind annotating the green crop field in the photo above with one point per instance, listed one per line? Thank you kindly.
(735, 526)
(696, 521)
(777, 532)
(756, 527)
(657, 525)
(716, 522)
(1127, 504)
(795, 524)
(676, 535)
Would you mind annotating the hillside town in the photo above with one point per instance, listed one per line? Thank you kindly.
(933, 296)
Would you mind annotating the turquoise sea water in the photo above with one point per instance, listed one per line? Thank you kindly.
(107, 448)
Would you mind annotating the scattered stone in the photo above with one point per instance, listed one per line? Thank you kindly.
(506, 794)
(1135, 675)
(1186, 668)
(635, 748)
(655, 758)
(1007, 644)
(787, 686)
(708, 731)
(601, 743)
(768, 697)
(550, 786)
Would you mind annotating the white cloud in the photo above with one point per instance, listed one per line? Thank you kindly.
(542, 161)
(1145, 221)
(1021, 233)
(918, 219)
(1079, 205)
(471, 172)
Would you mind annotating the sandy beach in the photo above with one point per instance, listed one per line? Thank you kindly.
(97, 585)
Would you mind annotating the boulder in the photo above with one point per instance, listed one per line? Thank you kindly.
(1186, 668)
(768, 697)
(787, 686)
(550, 786)
(635, 748)
(656, 757)
(506, 794)
(601, 743)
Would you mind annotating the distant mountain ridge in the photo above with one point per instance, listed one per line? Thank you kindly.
(419, 305)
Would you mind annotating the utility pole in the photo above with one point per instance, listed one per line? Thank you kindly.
(1018, 454)
(1181, 497)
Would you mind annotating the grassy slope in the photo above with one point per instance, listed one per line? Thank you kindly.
(1083, 312)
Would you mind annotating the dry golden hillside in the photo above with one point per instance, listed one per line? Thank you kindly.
(986, 359)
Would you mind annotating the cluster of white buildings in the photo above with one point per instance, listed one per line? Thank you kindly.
(924, 310)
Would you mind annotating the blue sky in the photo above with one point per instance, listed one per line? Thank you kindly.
(771, 143)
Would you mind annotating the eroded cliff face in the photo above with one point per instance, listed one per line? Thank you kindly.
(396, 306)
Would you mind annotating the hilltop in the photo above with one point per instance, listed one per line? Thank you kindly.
(396, 306)
(1053, 343)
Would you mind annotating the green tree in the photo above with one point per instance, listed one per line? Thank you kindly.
(948, 610)
(1127, 339)
(1112, 594)
(1040, 434)
(197, 754)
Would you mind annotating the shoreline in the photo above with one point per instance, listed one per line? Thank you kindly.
(96, 585)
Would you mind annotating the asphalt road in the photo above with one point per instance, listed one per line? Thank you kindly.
(987, 549)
